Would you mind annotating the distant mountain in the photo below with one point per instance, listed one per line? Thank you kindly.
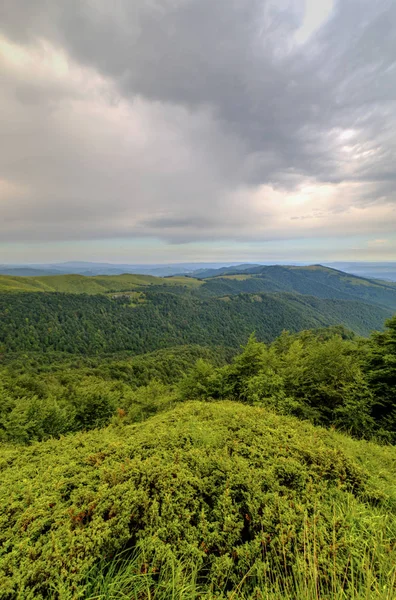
(368, 270)
(92, 268)
(371, 270)
(383, 271)
(27, 271)
(217, 272)
(141, 313)
(316, 280)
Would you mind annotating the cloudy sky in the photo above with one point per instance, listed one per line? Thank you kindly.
(180, 130)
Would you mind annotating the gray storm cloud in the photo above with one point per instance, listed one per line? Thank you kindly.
(196, 120)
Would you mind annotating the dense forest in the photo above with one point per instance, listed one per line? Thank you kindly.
(318, 281)
(153, 446)
(78, 323)
(327, 376)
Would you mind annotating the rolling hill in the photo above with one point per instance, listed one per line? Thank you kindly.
(82, 284)
(322, 282)
(316, 280)
(141, 313)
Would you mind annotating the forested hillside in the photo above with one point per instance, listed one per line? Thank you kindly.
(317, 281)
(327, 375)
(91, 324)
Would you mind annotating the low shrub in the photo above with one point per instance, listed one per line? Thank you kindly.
(237, 491)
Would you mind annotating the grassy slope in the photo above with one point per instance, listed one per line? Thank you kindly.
(80, 284)
(242, 493)
(316, 281)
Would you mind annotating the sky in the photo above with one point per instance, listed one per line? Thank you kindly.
(158, 131)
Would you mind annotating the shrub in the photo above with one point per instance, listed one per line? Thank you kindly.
(235, 490)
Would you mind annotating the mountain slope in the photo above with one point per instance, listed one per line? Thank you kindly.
(81, 284)
(95, 323)
(318, 281)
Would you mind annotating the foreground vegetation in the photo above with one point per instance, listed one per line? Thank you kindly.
(223, 498)
(210, 499)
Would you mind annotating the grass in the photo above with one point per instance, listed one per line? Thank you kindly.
(132, 577)
(80, 284)
(238, 277)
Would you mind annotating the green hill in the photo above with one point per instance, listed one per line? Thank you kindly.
(81, 284)
(318, 281)
(209, 500)
(95, 323)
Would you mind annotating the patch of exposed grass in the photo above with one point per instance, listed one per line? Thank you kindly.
(81, 284)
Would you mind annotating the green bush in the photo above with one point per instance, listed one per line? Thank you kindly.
(43, 396)
(381, 373)
(36, 419)
(237, 491)
(146, 401)
(320, 377)
(94, 402)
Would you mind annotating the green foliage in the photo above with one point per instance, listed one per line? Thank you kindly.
(316, 376)
(167, 365)
(324, 376)
(214, 500)
(94, 404)
(145, 402)
(381, 369)
(35, 418)
(327, 378)
(317, 281)
(251, 499)
(99, 284)
(200, 383)
(45, 396)
(82, 324)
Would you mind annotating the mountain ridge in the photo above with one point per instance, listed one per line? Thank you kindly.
(316, 280)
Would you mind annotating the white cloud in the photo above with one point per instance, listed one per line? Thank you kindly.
(316, 14)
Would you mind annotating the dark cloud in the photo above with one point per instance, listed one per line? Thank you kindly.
(219, 99)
